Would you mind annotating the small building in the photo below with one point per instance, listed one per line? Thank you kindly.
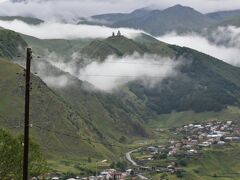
(130, 172)
(221, 143)
(55, 178)
(119, 33)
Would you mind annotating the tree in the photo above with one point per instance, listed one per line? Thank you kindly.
(121, 165)
(122, 139)
(183, 162)
(11, 156)
(89, 159)
(113, 165)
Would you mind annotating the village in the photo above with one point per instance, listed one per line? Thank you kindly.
(186, 142)
(107, 174)
(189, 142)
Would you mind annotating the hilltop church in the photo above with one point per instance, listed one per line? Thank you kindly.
(118, 34)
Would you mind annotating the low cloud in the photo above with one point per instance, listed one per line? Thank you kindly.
(53, 78)
(115, 72)
(219, 44)
(49, 30)
(56, 81)
(228, 36)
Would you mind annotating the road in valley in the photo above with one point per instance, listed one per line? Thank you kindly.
(129, 158)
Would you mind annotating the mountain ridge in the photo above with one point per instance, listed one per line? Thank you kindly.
(178, 18)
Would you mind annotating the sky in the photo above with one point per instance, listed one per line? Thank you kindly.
(55, 10)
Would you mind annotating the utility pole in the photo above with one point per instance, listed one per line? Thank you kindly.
(26, 121)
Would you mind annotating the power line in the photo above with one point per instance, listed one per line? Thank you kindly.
(137, 63)
(123, 76)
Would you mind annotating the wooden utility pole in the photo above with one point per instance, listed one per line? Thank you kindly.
(26, 120)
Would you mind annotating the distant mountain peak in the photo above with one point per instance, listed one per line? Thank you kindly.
(143, 11)
(179, 7)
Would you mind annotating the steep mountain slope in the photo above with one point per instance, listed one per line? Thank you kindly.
(56, 125)
(11, 44)
(177, 18)
(63, 47)
(49, 115)
(92, 108)
(118, 45)
(204, 84)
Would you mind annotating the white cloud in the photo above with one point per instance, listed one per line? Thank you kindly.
(1, 1)
(200, 43)
(49, 30)
(115, 72)
(49, 77)
(228, 36)
(72, 9)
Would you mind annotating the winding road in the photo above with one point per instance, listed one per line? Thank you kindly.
(129, 158)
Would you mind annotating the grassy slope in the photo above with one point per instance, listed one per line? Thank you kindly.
(95, 103)
(222, 163)
(48, 111)
(11, 44)
(204, 84)
(176, 119)
(62, 47)
(100, 110)
(112, 45)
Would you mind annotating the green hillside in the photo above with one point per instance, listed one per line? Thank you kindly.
(121, 46)
(112, 45)
(49, 115)
(11, 44)
(100, 120)
(62, 47)
(73, 122)
(99, 109)
(205, 83)
(216, 164)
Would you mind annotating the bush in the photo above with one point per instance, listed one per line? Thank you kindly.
(183, 162)
(11, 157)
